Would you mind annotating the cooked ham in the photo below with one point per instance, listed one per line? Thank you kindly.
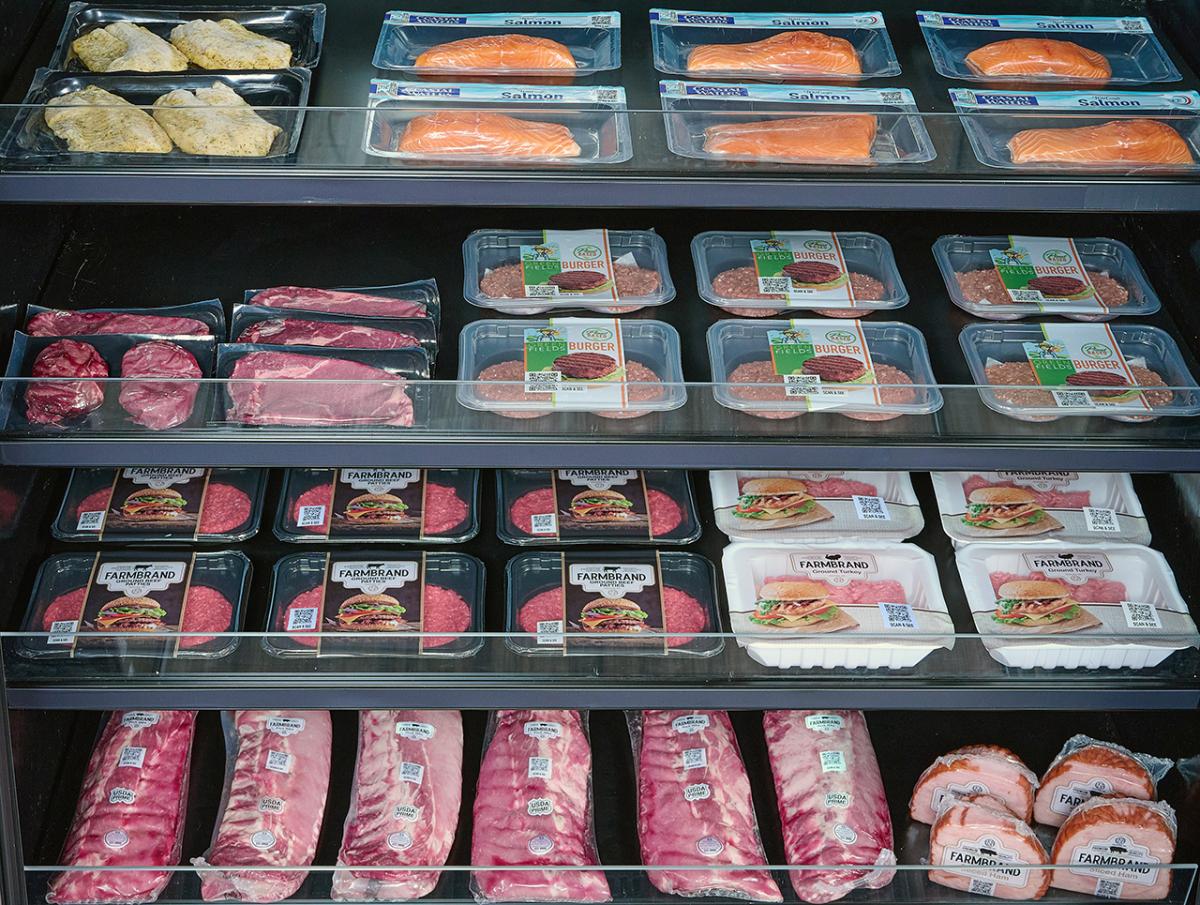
(974, 770)
(985, 850)
(1102, 835)
(1085, 768)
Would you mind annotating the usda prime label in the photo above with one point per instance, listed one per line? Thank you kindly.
(804, 266)
(570, 263)
(1046, 272)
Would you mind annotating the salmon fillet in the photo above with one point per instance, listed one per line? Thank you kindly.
(1039, 56)
(487, 135)
(820, 137)
(789, 52)
(1131, 141)
(497, 52)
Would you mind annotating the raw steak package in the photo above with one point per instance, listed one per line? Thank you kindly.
(197, 319)
(533, 807)
(1104, 606)
(276, 780)
(263, 325)
(694, 806)
(404, 804)
(143, 505)
(378, 505)
(418, 298)
(832, 804)
(131, 810)
(1109, 847)
(827, 606)
(370, 604)
(137, 603)
(602, 603)
(1025, 507)
(560, 506)
(778, 506)
(1086, 768)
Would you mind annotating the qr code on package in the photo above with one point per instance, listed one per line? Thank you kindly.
(774, 284)
(1072, 399)
(1109, 889)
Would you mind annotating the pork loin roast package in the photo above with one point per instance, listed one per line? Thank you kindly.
(832, 804)
(276, 779)
(612, 603)
(878, 606)
(418, 298)
(694, 806)
(196, 319)
(355, 604)
(141, 505)
(533, 806)
(778, 506)
(148, 596)
(1048, 606)
(131, 810)
(293, 327)
(378, 505)
(539, 506)
(404, 804)
(974, 770)
(1024, 507)
(1109, 847)
(1086, 768)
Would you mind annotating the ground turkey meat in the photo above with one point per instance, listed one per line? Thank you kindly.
(984, 287)
(1020, 373)
(770, 389)
(665, 514)
(681, 613)
(508, 282)
(741, 284)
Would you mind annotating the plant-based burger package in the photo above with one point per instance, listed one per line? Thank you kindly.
(378, 505)
(1031, 506)
(612, 603)
(777, 506)
(352, 604)
(136, 603)
(1052, 605)
(144, 505)
(878, 606)
(539, 506)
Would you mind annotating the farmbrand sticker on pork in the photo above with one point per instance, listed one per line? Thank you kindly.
(988, 860)
(1046, 272)
(596, 501)
(826, 363)
(1084, 355)
(163, 502)
(570, 263)
(804, 266)
(580, 361)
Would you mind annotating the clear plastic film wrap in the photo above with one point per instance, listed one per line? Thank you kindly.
(1086, 767)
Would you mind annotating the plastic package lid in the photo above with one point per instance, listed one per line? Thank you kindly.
(378, 505)
(1105, 606)
(195, 319)
(676, 34)
(538, 506)
(350, 604)
(147, 505)
(531, 271)
(847, 606)
(612, 603)
(1031, 507)
(1010, 277)
(417, 298)
(501, 44)
(1030, 49)
(781, 507)
(293, 327)
(156, 592)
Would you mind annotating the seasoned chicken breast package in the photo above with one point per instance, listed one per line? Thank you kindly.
(226, 44)
(124, 46)
(215, 121)
(93, 119)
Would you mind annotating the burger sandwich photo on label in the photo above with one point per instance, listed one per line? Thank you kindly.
(767, 503)
(131, 614)
(1041, 607)
(1007, 512)
(151, 505)
(802, 606)
(601, 506)
(376, 509)
(621, 615)
(372, 613)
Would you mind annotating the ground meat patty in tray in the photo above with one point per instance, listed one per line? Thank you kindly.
(641, 389)
(665, 514)
(984, 287)
(741, 283)
(508, 282)
(445, 510)
(636, 373)
(226, 508)
(207, 610)
(681, 613)
(444, 610)
(1020, 373)
(769, 388)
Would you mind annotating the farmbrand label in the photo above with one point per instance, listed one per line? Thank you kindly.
(988, 860)
(163, 502)
(575, 263)
(804, 266)
(1114, 859)
(1070, 356)
(834, 568)
(579, 361)
(370, 501)
(594, 503)
(1048, 273)
(826, 363)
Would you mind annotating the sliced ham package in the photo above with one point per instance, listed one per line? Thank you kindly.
(974, 770)
(276, 779)
(832, 803)
(533, 806)
(1110, 847)
(981, 847)
(131, 810)
(403, 805)
(1086, 768)
(695, 807)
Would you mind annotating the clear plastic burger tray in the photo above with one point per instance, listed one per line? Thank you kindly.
(1106, 606)
(843, 607)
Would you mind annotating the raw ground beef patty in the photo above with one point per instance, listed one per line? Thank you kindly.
(665, 514)
(207, 610)
(508, 282)
(636, 373)
(984, 287)
(681, 612)
(445, 510)
(445, 611)
(741, 284)
(226, 508)
(768, 387)
(1020, 373)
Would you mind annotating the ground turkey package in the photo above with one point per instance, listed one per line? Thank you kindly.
(131, 810)
(694, 806)
(533, 806)
(276, 779)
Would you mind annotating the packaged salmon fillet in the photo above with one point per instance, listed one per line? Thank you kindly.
(1115, 131)
(507, 44)
(1062, 49)
(495, 124)
(779, 47)
(797, 124)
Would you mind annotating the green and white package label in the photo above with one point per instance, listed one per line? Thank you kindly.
(1046, 272)
(570, 263)
(804, 266)
(579, 361)
(1071, 356)
(824, 362)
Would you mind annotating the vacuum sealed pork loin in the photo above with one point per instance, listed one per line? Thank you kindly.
(980, 846)
(1086, 768)
(694, 806)
(533, 806)
(404, 803)
(1109, 847)
(276, 780)
(832, 803)
(131, 810)
(974, 770)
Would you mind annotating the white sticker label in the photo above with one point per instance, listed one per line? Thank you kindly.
(944, 796)
(310, 517)
(139, 719)
(871, 508)
(374, 577)
(116, 839)
(697, 791)
(137, 579)
(690, 724)
(695, 758)
(540, 729)
(132, 757)
(121, 796)
(417, 732)
(539, 768)
(1065, 799)
(539, 807)
(412, 773)
(612, 580)
(543, 523)
(1112, 859)
(985, 859)
(833, 762)
(824, 722)
(709, 846)
(1140, 615)
(270, 805)
(302, 619)
(540, 844)
(400, 841)
(845, 834)
(406, 812)
(285, 725)
(379, 480)
(839, 800)
(1102, 521)
(279, 762)
(550, 632)
(263, 840)
(63, 632)
(897, 615)
(90, 521)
